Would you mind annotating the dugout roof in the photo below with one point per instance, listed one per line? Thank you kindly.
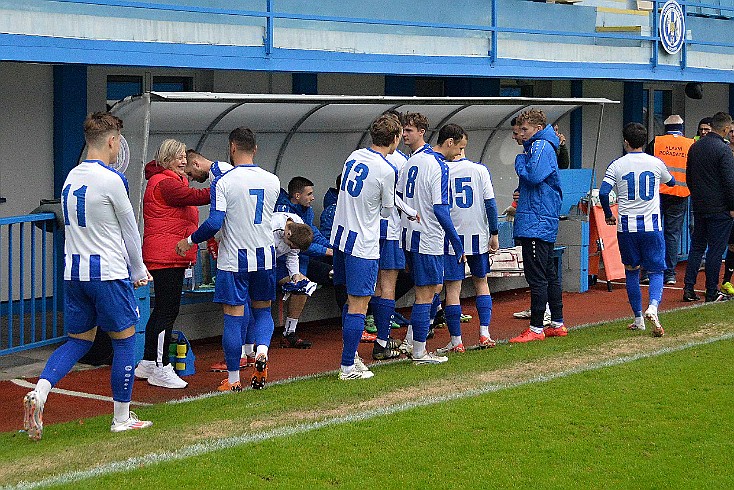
(311, 135)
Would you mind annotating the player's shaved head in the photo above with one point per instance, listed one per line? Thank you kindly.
(243, 139)
(384, 130)
(98, 125)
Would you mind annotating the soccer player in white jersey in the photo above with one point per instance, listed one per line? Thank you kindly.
(102, 243)
(637, 177)
(367, 192)
(474, 214)
(392, 261)
(415, 126)
(424, 185)
(242, 206)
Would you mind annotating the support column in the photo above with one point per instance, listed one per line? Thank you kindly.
(632, 103)
(577, 127)
(70, 110)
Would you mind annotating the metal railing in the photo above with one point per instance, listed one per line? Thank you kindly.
(29, 295)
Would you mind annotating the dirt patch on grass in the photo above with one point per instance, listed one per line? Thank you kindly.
(110, 450)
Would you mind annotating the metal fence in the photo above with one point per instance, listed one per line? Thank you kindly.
(29, 295)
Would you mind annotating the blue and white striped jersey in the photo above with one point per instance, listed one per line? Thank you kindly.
(470, 185)
(424, 182)
(391, 227)
(247, 195)
(93, 197)
(637, 177)
(368, 185)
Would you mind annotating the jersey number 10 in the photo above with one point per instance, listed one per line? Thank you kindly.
(646, 184)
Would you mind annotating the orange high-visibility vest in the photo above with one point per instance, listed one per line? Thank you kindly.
(673, 150)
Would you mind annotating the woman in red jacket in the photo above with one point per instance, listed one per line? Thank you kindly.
(170, 214)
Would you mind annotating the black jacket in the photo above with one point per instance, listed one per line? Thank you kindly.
(710, 175)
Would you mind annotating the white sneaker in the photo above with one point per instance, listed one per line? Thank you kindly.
(130, 424)
(359, 364)
(406, 348)
(522, 314)
(145, 369)
(33, 415)
(430, 358)
(355, 374)
(651, 315)
(166, 377)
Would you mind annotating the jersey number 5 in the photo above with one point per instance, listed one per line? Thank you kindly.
(354, 186)
(463, 186)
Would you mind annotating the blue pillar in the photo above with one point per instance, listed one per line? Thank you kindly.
(70, 110)
(731, 98)
(305, 83)
(577, 126)
(471, 87)
(632, 103)
(399, 85)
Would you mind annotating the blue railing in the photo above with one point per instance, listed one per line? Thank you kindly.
(492, 19)
(29, 296)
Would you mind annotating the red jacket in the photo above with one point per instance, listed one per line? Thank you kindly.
(169, 214)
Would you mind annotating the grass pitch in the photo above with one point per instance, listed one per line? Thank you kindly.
(604, 407)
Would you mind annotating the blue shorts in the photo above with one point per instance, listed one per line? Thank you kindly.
(454, 271)
(646, 249)
(360, 275)
(109, 305)
(238, 288)
(392, 256)
(427, 270)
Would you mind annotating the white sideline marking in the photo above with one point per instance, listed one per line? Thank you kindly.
(229, 442)
(79, 394)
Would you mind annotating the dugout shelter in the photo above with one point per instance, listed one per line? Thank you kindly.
(311, 135)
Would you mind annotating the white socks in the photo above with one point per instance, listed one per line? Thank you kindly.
(456, 340)
(122, 411)
(43, 388)
(290, 325)
(484, 330)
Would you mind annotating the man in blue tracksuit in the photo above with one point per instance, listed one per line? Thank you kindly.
(298, 201)
(536, 223)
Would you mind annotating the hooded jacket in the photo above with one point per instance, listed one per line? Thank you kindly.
(326, 221)
(540, 188)
(320, 243)
(170, 214)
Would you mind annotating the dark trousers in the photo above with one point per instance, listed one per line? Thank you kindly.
(712, 231)
(542, 277)
(673, 209)
(168, 284)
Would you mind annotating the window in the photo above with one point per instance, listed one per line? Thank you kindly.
(173, 84)
(121, 86)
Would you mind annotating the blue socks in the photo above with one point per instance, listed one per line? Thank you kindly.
(421, 321)
(352, 329)
(453, 319)
(434, 306)
(633, 290)
(123, 366)
(382, 310)
(264, 326)
(656, 287)
(64, 358)
(232, 341)
(484, 308)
